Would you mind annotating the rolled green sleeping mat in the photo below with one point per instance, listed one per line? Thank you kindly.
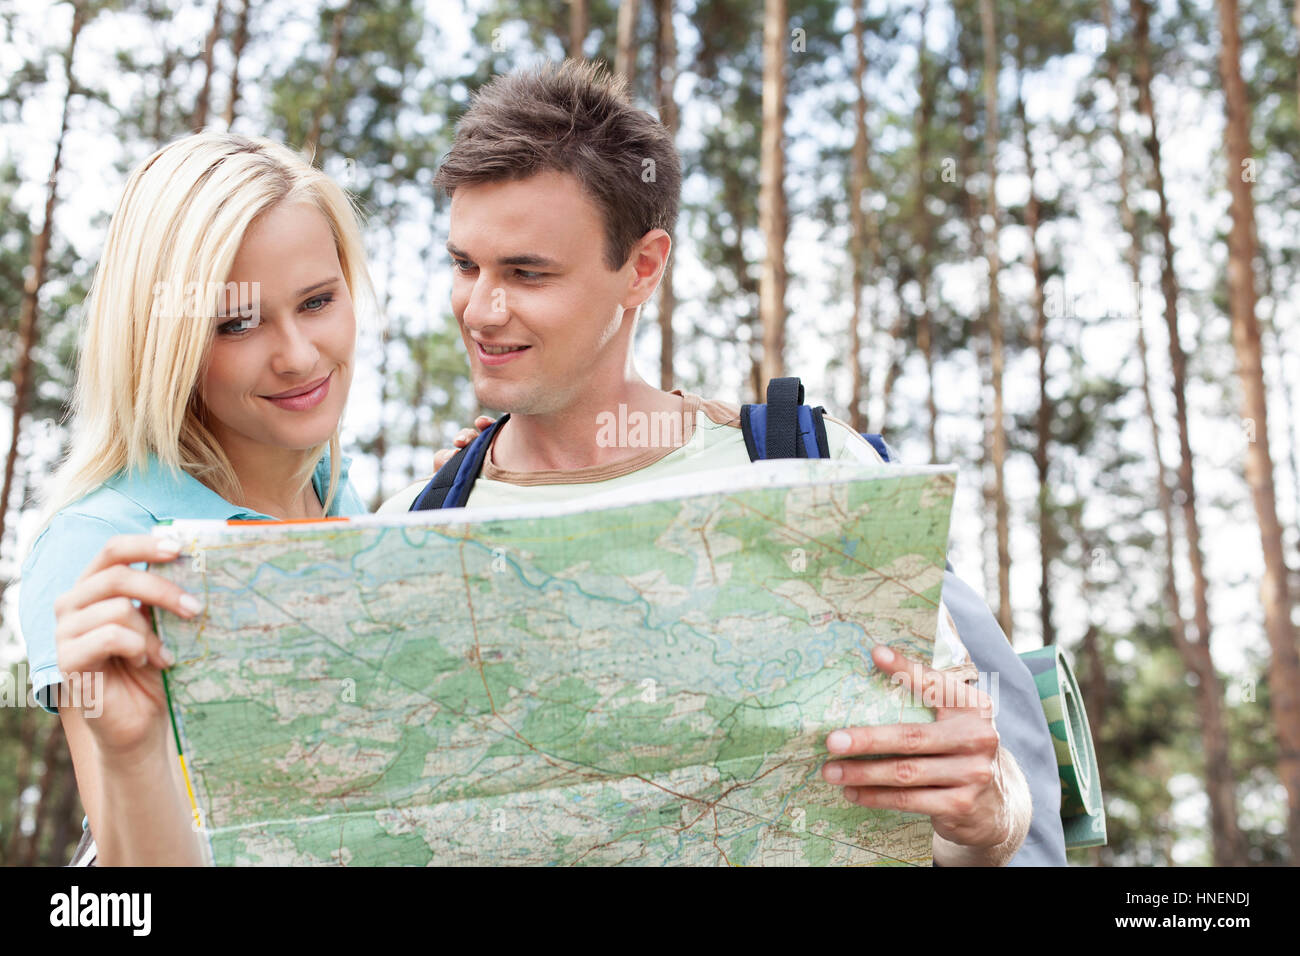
(1082, 815)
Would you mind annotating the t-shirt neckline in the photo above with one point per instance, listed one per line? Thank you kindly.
(616, 469)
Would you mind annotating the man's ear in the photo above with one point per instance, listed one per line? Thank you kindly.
(647, 261)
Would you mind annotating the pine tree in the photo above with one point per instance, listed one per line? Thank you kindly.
(988, 29)
(665, 95)
(1217, 769)
(29, 315)
(200, 117)
(1284, 664)
(237, 53)
(772, 211)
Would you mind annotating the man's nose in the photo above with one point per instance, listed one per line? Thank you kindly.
(486, 305)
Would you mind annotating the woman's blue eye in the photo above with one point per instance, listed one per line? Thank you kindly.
(324, 300)
(238, 326)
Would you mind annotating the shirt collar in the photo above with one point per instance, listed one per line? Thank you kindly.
(174, 495)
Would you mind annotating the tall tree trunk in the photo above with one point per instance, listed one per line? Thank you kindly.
(894, 367)
(665, 94)
(577, 27)
(865, 239)
(200, 117)
(625, 54)
(167, 68)
(51, 756)
(988, 530)
(22, 774)
(418, 346)
(1092, 682)
(772, 220)
(737, 202)
(1043, 425)
(1169, 289)
(1277, 343)
(237, 52)
(1284, 663)
(925, 230)
(327, 78)
(857, 219)
(979, 337)
(66, 814)
(380, 444)
(1220, 781)
(988, 29)
(29, 311)
(164, 75)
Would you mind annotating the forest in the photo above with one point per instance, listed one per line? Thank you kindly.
(1046, 242)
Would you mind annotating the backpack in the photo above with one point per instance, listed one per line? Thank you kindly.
(784, 427)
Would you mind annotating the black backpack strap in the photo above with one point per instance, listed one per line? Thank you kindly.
(784, 427)
(784, 396)
(451, 486)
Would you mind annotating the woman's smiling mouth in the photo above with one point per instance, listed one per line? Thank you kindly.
(304, 397)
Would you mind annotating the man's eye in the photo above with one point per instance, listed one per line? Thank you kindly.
(462, 265)
(524, 274)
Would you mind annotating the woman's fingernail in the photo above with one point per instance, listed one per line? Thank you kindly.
(838, 741)
(167, 547)
(833, 773)
(190, 604)
(886, 655)
(169, 659)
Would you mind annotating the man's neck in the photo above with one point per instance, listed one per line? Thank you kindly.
(580, 435)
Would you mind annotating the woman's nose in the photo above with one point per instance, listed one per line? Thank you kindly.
(295, 350)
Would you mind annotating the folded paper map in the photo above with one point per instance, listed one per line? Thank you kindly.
(646, 677)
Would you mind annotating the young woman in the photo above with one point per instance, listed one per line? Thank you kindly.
(217, 355)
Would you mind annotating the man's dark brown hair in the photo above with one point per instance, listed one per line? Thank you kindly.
(572, 118)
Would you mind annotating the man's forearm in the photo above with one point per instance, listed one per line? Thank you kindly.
(1018, 808)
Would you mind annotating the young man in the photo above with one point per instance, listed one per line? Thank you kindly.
(562, 200)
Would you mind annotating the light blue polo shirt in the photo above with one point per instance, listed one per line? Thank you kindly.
(128, 503)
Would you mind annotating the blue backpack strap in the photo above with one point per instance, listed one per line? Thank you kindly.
(880, 445)
(451, 486)
(784, 427)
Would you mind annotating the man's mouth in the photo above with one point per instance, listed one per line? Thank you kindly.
(498, 354)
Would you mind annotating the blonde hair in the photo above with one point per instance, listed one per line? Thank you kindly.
(177, 229)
